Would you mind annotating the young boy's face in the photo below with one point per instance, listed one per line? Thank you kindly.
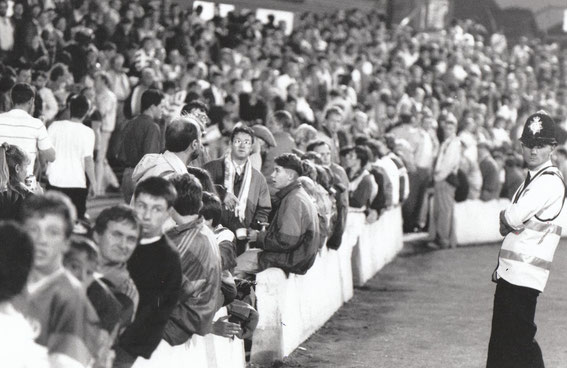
(152, 213)
(50, 241)
(79, 264)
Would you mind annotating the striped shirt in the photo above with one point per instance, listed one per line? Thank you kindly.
(19, 128)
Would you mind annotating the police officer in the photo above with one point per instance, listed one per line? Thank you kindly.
(532, 232)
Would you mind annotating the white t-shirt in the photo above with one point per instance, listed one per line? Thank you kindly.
(17, 341)
(21, 129)
(73, 142)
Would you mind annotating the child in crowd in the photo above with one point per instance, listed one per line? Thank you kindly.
(13, 173)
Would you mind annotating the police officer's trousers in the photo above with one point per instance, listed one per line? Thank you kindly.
(512, 343)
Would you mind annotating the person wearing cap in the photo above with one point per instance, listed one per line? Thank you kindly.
(532, 231)
(292, 239)
(444, 178)
(263, 144)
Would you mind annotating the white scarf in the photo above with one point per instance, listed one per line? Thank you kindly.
(229, 173)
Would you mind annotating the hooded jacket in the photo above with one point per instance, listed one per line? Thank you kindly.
(158, 164)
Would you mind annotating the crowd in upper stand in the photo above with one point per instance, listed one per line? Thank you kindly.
(236, 147)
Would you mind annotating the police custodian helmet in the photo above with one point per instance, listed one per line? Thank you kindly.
(538, 130)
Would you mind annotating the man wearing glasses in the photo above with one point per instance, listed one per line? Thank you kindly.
(532, 231)
(242, 188)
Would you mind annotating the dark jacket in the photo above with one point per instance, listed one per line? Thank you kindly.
(490, 179)
(258, 206)
(140, 136)
(292, 240)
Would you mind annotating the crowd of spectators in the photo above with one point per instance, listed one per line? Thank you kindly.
(236, 148)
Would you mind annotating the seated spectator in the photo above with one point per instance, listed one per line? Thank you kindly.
(158, 283)
(116, 233)
(16, 335)
(340, 184)
(292, 239)
(56, 299)
(13, 173)
(362, 187)
(490, 173)
(74, 144)
(200, 263)
(244, 191)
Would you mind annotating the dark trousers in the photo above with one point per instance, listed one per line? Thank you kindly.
(418, 182)
(512, 343)
(77, 195)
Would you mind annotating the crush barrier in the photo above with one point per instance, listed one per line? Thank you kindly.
(292, 307)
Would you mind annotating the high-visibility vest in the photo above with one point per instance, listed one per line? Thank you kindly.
(526, 255)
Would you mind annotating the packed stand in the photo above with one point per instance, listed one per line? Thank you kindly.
(236, 148)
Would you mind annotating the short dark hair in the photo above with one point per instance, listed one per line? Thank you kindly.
(180, 133)
(50, 203)
(79, 106)
(311, 146)
(363, 153)
(189, 193)
(156, 186)
(283, 118)
(212, 208)
(241, 128)
(16, 259)
(290, 161)
(204, 178)
(312, 156)
(58, 70)
(22, 93)
(151, 97)
(118, 213)
(195, 104)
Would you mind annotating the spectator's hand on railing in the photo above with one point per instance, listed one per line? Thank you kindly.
(230, 201)
(221, 327)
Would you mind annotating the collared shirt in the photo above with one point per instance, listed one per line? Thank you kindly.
(448, 159)
(21, 129)
(542, 197)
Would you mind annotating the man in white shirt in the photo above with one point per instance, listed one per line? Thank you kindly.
(18, 127)
(445, 177)
(74, 143)
(6, 29)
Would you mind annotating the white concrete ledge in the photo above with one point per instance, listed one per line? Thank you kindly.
(294, 307)
(477, 222)
(378, 244)
(208, 351)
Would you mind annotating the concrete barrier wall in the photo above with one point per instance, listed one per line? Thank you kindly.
(477, 222)
(378, 244)
(294, 307)
(208, 351)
